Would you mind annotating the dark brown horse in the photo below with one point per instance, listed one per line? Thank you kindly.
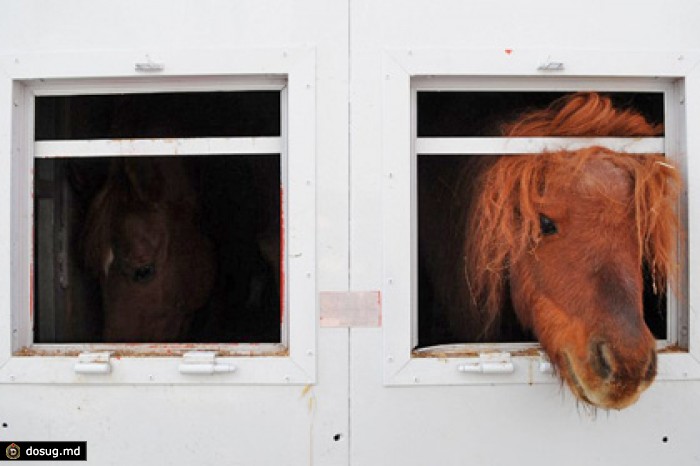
(563, 236)
(155, 266)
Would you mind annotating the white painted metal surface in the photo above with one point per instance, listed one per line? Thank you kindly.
(328, 403)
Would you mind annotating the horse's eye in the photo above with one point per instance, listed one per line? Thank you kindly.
(547, 225)
(144, 273)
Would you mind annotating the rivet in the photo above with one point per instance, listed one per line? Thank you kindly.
(416, 380)
(390, 359)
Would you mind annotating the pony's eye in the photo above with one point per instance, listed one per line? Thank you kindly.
(144, 273)
(547, 225)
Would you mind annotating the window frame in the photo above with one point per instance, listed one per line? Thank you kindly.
(407, 72)
(290, 71)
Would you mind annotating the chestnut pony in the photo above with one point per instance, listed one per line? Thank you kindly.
(564, 236)
(155, 266)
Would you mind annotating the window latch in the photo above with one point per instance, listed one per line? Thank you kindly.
(488, 363)
(149, 66)
(93, 363)
(551, 66)
(546, 366)
(202, 363)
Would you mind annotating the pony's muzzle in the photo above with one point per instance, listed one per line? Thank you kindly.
(608, 363)
(612, 375)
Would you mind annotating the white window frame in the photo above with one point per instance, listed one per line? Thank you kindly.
(290, 71)
(407, 71)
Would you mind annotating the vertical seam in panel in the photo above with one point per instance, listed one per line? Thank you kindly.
(349, 234)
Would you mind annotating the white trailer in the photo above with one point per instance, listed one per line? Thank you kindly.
(344, 383)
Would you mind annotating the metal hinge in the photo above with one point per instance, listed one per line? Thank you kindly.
(202, 363)
(93, 363)
(488, 363)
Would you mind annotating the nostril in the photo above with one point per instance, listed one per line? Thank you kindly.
(600, 359)
(651, 368)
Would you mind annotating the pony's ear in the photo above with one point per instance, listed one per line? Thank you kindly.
(144, 179)
(155, 180)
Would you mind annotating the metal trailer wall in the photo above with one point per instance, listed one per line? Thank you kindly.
(349, 414)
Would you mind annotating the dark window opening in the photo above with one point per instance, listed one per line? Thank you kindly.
(465, 114)
(473, 114)
(181, 249)
(163, 115)
(156, 249)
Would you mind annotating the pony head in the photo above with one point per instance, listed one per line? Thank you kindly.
(156, 268)
(568, 234)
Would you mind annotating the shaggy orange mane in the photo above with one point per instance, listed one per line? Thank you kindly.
(506, 215)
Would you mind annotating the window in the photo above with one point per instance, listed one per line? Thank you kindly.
(182, 246)
(459, 116)
(170, 217)
(442, 108)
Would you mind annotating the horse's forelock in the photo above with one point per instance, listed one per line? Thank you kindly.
(97, 233)
(657, 188)
(505, 217)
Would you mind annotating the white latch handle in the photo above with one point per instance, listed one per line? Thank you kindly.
(203, 363)
(488, 368)
(489, 363)
(93, 368)
(546, 366)
(205, 369)
(93, 363)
